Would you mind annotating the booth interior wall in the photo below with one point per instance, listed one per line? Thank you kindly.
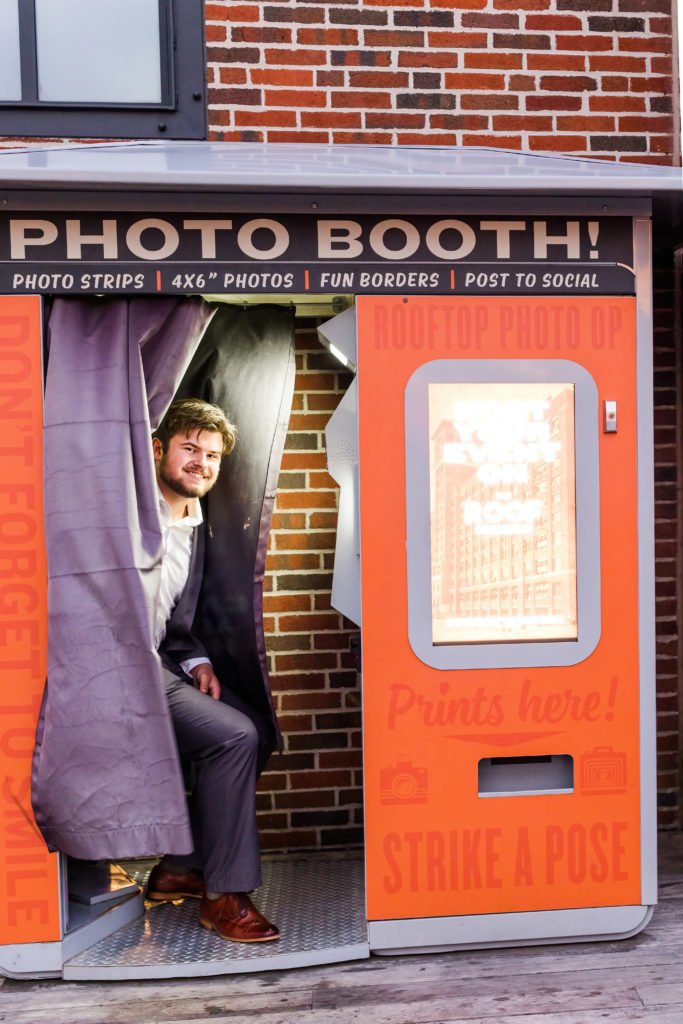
(310, 796)
(668, 568)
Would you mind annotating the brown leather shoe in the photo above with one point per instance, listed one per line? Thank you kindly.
(168, 885)
(235, 918)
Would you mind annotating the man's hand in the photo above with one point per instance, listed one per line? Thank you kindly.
(205, 680)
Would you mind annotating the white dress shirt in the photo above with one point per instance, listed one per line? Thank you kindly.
(177, 540)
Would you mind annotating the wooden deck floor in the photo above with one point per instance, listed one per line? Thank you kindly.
(639, 979)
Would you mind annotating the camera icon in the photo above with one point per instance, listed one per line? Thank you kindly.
(403, 783)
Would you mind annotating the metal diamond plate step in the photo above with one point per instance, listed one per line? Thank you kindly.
(317, 901)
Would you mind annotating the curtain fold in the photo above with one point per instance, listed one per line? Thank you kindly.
(245, 364)
(106, 778)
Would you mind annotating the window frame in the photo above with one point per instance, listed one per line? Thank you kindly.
(181, 114)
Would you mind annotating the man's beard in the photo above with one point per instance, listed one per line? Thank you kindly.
(178, 484)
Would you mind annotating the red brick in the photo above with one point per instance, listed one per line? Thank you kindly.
(490, 20)
(489, 101)
(322, 479)
(308, 421)
(586, 124)
(286, 602)
(313, 700)
(318, 779)
(558, 143)
(521, 41)
(314, 382)
(555, 62)
(320, 621)
(281, 77)
(521, 5)
(331, 119)
(216, 33)
(616, 62)
(420, 139)
(458, 40)
(522, 123)
(655, 125)
(305, 15)
(323, 520)
(361, 100)
(327, 37)
(309, 798)
(616, 103)
(292, 562)
(361, 58)
(261, 34)
(661, 65)
(494, 61)
(522, 83)
(362, 137)
(235, 12)
(457, 122)
(294, 98)
(568, 83)
(554, 102)
(232, 76)
(304, 499)
(378, 79)
(428, 59)
(460, 5)
(650, 44)
(265, 118)
(663, 86)
(313, 541)
(394, 39)
(329, 78)
(491, 83)
(502, 141)
(291, 55)
(553, 23)
(329, 641)
(304, 460)
(586, 41)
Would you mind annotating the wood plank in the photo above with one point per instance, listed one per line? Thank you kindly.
(663, 994)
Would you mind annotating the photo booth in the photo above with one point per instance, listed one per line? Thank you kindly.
(494, 456)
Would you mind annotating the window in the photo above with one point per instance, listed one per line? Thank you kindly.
(103, 69)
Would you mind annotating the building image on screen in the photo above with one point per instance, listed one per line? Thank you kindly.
(502, 512)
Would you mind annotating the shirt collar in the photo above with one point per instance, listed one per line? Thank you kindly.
(188, 522)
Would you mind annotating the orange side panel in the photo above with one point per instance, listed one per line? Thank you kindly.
(444, 850)
(29, 893)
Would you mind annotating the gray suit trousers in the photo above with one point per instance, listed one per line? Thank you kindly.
(224, 742)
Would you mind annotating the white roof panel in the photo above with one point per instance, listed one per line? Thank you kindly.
(281, 167)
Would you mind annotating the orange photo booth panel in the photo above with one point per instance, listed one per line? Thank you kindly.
(29, 891)
(435, 846)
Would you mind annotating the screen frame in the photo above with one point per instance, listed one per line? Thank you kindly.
(502, 654)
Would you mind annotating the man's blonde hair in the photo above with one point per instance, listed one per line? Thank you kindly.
(188, 414)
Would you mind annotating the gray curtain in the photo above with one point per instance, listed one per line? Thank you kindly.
(106, 778)
(246, 364)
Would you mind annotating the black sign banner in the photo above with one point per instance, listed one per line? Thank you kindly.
(245, 254)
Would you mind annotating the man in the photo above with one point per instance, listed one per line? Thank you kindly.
(219, 734)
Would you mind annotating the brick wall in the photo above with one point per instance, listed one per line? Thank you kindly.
(311, 795)
(583, 77)
(667, 397)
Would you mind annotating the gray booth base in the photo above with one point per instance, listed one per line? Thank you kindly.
(488, 931)
(318, 903)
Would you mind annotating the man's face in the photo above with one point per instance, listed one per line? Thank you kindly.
(190, 465)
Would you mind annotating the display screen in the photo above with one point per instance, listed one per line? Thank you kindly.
(502, 512)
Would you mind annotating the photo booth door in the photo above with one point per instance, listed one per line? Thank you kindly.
(504, 516)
